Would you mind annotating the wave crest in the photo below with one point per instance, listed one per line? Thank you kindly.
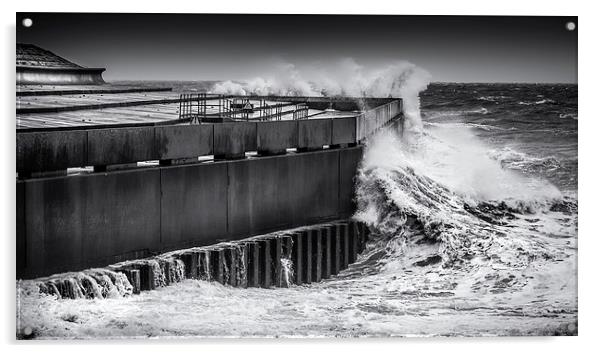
(422, 191)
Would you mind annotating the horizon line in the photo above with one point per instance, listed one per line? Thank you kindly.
(434, 82)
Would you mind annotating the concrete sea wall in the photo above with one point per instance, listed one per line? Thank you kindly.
(124, 211)
(70, 223)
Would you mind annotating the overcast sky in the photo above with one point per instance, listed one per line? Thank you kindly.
(219, 47)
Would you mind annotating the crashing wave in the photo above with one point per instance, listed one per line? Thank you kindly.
(400, 79)
(436, 189)
(520, 161)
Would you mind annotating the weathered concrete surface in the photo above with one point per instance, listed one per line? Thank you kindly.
(77, 222)
(335, 249)
(48, 151)
(232, 140)
(343, 131)
(276, 136)
(294, 185)
(253, 264)
(58, 150)
(73, 222)
(194, 209)
(316, 255)
(326, 250)
(350, 159)
(116, 146)
(315, 133)
(183, 141)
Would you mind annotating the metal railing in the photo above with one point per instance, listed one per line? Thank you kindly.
(196, 106)
(192, 106)
(372, 120)
(301, 111)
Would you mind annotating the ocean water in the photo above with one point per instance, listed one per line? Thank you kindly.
(474, 222)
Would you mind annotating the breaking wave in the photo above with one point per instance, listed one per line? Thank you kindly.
(400, 79)
(438, 200)
(516, 160)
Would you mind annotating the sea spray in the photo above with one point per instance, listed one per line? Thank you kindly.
(206, 262)
(400, 79)
(287, 272)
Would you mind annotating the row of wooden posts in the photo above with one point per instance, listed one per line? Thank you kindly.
(282, 259)
(277, 260)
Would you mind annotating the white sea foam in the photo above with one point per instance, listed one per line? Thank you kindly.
(541, 101)
(400, 79)
(568, 116)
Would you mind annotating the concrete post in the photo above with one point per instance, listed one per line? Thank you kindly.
(365, 234)
(357, 229)
(287, 253)
(297, 257)
(216, 265)
(231, 264)
(133, 277)
(327, 252)
(253, 265)
(147, 277)
(353, 241)
(276, 255)
(336, 250)
(243, 263)
(265, 263)
(307, 251)
(287, 246)
(191, 263)
(165, 267)
(204, 260)
(344, 234)
(316, 258)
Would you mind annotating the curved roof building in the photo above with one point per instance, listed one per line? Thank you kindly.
(40, 66)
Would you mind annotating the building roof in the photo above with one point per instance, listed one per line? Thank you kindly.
(40, 66)
(29, 55)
